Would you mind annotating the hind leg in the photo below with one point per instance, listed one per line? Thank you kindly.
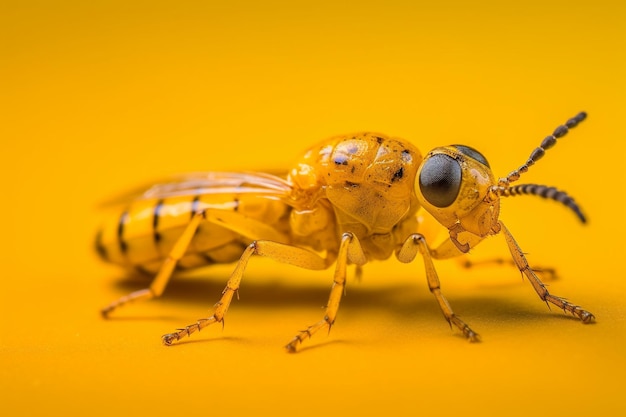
(235, 222)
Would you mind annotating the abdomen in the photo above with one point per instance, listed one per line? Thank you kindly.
(142, 235)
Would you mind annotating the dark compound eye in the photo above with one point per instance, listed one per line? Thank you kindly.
(440, 180)
(472, 153)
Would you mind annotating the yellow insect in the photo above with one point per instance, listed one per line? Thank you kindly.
(349, 200)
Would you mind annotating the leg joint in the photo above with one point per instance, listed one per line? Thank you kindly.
(435, 289)
(417, 239)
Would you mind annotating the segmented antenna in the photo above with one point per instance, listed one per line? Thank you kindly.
(550, 193)
(504, 188)
(538, 153)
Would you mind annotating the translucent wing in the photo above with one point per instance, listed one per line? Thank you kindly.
(210, 183)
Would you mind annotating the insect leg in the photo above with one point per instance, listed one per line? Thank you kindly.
(349, 250)
(165, 272)
(278, 251)
(548, 273)
(447, 250)
(417, 243)
(540, 288)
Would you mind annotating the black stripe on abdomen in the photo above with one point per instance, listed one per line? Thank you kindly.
(120, 232)
(194, 209)
(156, 215)
(102, 251)
(194, 205)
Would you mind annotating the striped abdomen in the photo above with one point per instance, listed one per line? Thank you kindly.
(143, 234)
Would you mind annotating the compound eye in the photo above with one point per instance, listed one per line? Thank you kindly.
(472, 153)
(440, 180)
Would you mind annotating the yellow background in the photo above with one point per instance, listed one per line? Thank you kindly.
(97, 97)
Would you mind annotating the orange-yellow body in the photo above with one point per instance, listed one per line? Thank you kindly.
(350, 199)
(143, 234)
(362, 183)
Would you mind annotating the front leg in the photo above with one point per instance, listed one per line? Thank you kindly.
(522, 264)
(409, 250)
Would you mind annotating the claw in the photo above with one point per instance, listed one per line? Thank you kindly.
(473, 337)
(586, 317)
(291, 346)
(105, 312)
(169, 338)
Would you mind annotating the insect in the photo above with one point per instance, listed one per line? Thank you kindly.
(348, 200)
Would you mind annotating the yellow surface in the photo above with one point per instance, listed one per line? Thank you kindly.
(97, 97)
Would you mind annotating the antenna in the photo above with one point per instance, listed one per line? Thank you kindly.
(539, 152)
(550, 193)
(504, 188)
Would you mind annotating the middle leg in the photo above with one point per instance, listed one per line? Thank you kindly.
(277, 251)
(349, 250)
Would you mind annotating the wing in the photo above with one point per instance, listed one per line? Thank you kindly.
(210, 183)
